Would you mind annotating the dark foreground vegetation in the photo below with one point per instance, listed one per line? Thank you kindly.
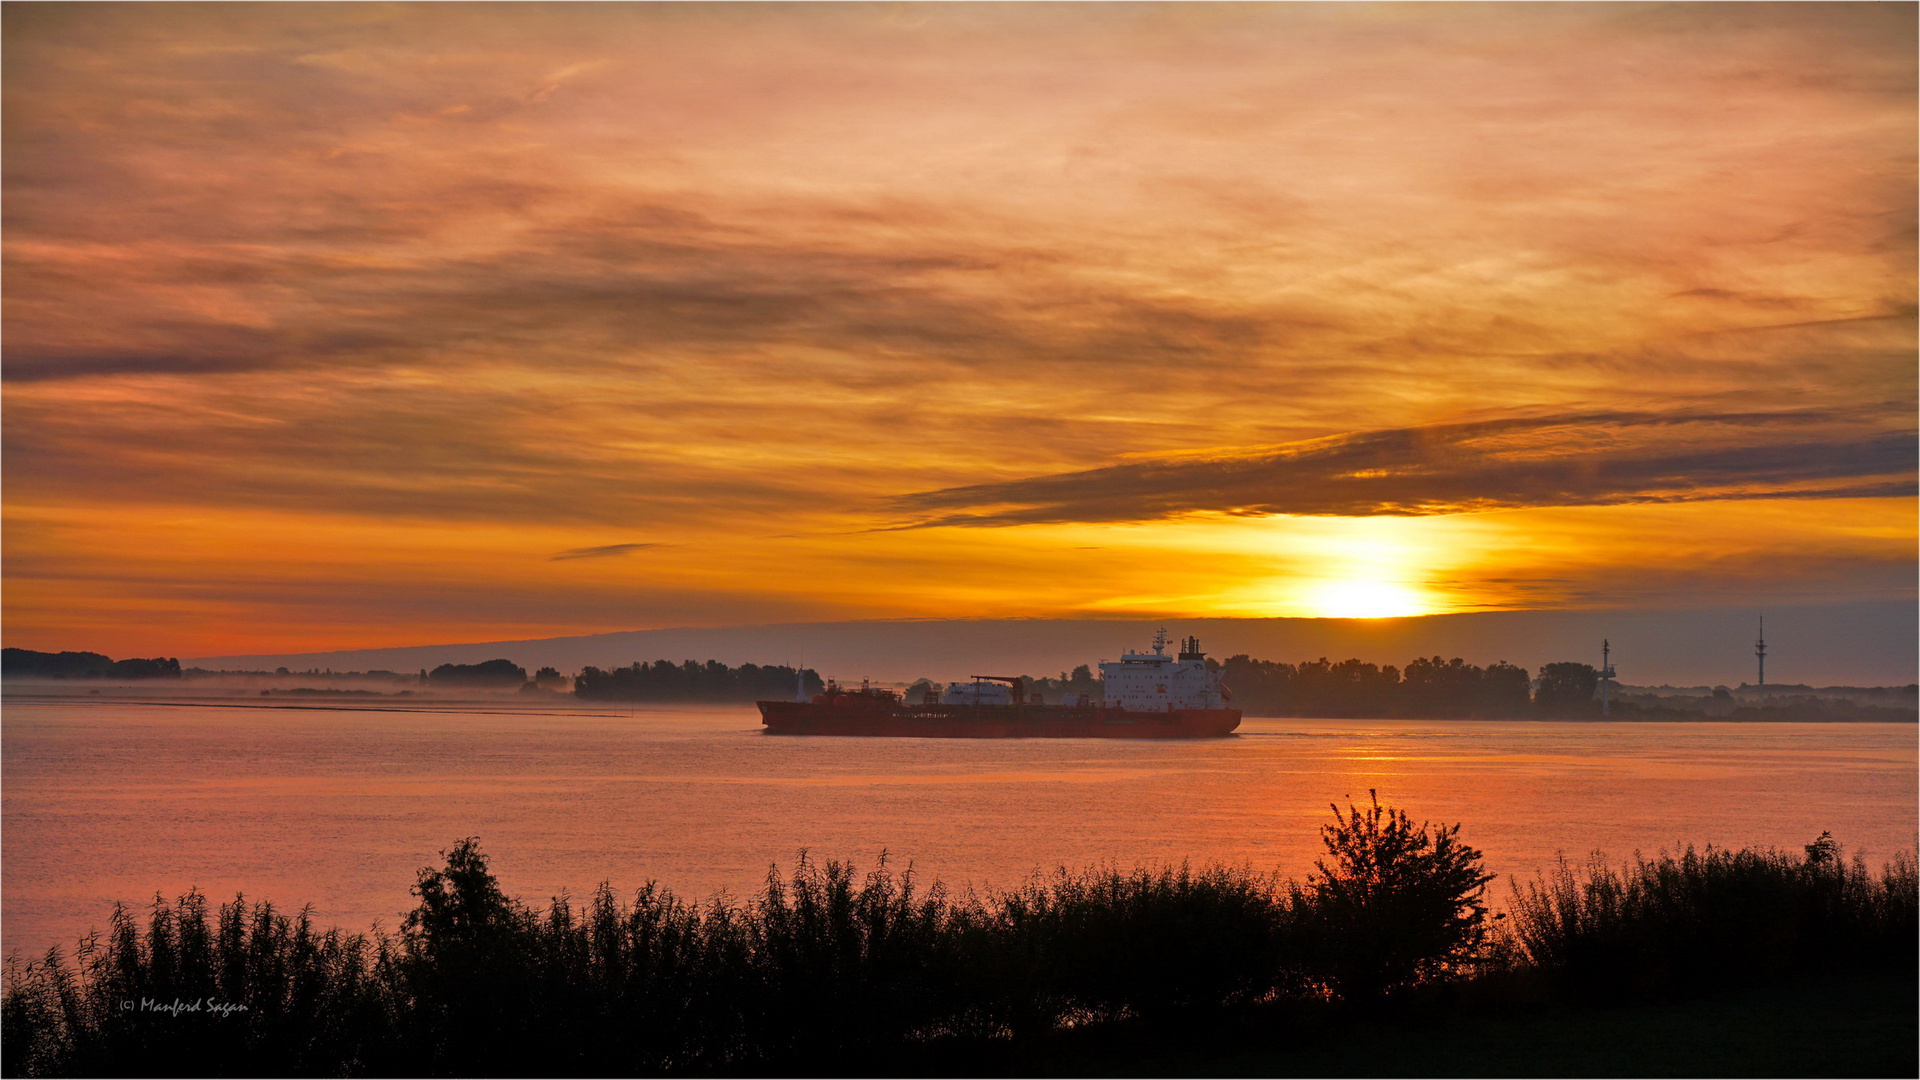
(828, 970)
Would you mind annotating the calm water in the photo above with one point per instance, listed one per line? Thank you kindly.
(108, 801)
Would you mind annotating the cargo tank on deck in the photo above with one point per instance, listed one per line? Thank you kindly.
(1147, 696)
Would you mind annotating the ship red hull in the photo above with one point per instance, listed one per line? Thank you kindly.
(995, 722)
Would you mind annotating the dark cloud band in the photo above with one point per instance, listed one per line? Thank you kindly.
(1565, 460)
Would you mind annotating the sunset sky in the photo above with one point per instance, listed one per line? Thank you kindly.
(366, 325)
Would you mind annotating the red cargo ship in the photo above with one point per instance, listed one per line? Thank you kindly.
(1148, 696)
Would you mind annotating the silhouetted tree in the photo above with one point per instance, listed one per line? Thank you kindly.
(691, 681)
(466, 964)
(1259, 687)
(64, 665)
(1457, 688)
(1566, 688)
(1824, 849)
(490, 673)
(1505, 690)
(85, 665)
(157, 668)
(1349, 688)
(1393, 903)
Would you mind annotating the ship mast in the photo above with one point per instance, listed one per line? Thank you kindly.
(1760, 653)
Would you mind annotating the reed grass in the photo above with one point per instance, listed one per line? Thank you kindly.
(1700, 921)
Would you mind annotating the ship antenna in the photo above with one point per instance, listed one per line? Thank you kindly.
(1606, 677)
(1160, 641)
(1760, 652)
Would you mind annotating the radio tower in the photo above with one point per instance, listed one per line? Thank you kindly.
(1606, 678)
(1760, 652)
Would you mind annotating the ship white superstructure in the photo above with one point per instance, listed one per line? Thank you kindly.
(1156, 682)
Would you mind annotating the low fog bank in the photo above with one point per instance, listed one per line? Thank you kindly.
(340, 688)
(58, 675)
(1833, 645)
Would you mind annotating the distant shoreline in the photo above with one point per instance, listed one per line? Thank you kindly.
(505, 704)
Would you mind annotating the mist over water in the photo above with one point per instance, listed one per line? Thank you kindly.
(1856, 643)
(338, 805)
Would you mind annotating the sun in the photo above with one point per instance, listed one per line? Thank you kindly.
(1364, 599)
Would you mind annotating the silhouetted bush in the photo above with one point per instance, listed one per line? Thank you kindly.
(1393, 904)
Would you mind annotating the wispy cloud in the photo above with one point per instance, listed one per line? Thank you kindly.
(604, 551)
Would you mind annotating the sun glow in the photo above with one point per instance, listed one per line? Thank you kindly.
(1367, 600)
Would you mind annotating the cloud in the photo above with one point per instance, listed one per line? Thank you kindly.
(626, 285)
(476, 451)
(604, 551)
(1574, 459)
(727, 275)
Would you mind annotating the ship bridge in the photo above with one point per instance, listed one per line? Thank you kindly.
(1157, 682)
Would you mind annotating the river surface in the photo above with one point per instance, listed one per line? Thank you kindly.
(339, 806)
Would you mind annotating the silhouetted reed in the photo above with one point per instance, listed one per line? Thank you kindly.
(167, 1000)
(1154, 944)
(1702, 921)
(825, 965)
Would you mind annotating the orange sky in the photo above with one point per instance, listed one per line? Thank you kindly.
(350, 326)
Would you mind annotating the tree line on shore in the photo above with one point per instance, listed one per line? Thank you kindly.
(1426, 688)
(712, 681)
(84, 665)
(830, 970)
